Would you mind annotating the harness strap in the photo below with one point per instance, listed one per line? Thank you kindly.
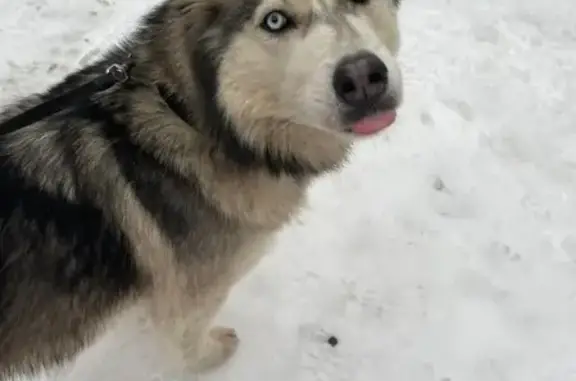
(114, 74)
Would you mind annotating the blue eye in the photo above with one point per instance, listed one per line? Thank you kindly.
(276, 22)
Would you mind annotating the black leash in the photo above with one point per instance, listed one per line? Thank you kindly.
(114, 75)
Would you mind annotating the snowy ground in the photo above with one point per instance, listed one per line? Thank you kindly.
(445, 251)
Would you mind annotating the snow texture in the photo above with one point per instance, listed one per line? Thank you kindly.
(444, 251)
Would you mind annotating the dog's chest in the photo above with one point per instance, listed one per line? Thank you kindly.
(257, 199)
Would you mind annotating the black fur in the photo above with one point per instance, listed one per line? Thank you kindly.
(70, 246)
(174, 201)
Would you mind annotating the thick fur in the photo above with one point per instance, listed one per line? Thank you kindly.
(166, 190)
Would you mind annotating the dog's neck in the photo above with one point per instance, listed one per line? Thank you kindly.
(186, 82)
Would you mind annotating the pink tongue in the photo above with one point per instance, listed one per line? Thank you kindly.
(375, 123)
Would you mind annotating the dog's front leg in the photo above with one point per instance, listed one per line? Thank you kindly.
(185, 318)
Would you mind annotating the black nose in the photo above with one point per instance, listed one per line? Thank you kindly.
(360, 80)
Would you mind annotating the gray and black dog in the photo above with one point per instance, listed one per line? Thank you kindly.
(166, 190)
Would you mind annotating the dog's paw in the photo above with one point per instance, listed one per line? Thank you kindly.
(226, 336)
(220, 346)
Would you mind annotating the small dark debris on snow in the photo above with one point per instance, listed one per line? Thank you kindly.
(439, 184)
(333, 341)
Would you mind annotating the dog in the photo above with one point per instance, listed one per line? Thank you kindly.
(165, 190)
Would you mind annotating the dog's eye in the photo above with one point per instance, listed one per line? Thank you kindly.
(276, 22)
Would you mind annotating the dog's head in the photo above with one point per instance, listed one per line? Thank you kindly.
(297, 80)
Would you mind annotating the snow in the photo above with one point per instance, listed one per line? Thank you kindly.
(444, 251)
